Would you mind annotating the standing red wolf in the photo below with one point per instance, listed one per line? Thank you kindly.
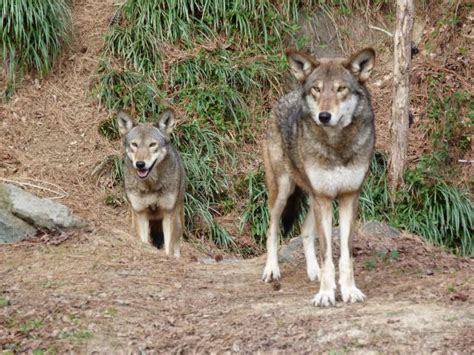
(154, 181)
(320, 142)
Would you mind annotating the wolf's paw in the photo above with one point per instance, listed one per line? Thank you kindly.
(324, 299)
(270, 273)
(314, 273)
(352, 294)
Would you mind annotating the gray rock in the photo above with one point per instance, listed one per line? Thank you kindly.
(379, 230)
(294, 248)
(39, 212)
(290, 251)
(13, 229)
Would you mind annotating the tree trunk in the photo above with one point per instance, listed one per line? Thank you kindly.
(401, 89)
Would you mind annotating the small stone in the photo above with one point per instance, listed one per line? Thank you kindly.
(276, 286)
(235, 347)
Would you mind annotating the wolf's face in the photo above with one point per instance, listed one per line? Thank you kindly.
(146, 145)
(332, 87)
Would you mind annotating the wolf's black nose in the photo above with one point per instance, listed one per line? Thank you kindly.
(324, 117)
(140, 164)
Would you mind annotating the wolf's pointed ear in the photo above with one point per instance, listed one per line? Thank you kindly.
(301, 64)
(361, 64)
(125, 123)
(167, 122)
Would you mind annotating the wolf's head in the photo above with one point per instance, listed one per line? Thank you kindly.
(332, 86)
(146, 145)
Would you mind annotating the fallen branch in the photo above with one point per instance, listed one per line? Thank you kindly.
(60, 194)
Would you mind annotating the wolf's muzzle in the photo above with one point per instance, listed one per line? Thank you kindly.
(324, 117)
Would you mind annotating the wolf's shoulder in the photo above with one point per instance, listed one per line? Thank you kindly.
(289, 108)
(289, 101)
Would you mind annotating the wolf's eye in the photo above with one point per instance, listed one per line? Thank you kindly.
(153, 144)
(134, 145)
(341, 88)
(315, 90)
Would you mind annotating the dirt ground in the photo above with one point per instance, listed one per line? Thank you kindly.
(108, 293)
(100, 290)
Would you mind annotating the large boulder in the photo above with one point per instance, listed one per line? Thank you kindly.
(293, 250)
(12, 228)
(20, 209)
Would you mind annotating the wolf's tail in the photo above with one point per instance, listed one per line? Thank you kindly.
(292, 209)
(156, 233)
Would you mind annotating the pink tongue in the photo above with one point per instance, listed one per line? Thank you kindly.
(142, 173)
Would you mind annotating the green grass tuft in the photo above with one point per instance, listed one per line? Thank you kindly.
(256, 214)
(426, 205)
(32, 34)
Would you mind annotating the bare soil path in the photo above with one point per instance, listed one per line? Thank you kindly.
(109, 293)
(103, 291)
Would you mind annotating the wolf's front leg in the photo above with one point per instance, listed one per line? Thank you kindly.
(172, 230)
(142, 225)
(308, 234)
(178, 232)
(348, 210)
(168, 230)
(323, 216)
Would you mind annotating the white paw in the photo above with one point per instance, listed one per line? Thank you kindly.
(271, 272)
(352, 294)
(314, 273)
(324, 299)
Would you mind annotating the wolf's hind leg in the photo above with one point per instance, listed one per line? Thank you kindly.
(348, 210)
(308, 234)
(285, 187)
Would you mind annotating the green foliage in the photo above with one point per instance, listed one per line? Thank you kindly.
(115, 199)
(30, 325)
(80, 335)
(449, 127)
(256, 214)
(32, 34)
(124, 89)
(205, 155)
(190, 22)
(426, 205)
(371, 264)
(4, 302)
(394, 254)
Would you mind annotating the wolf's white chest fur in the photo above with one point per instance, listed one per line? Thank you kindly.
(340, 179)
(141, 202)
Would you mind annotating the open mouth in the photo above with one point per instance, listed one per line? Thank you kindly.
(143, 173)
